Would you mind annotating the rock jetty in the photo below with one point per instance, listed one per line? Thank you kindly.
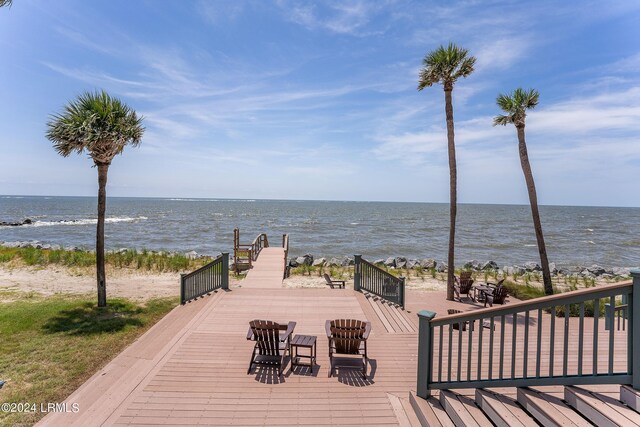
(531, 267)
(27, 221)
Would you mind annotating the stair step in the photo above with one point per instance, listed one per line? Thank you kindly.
(549, 410)
(630, 397)
(429, 412)
(600, 409)
(463, 411)
(398, 410)
(504, 412)
(411, 413)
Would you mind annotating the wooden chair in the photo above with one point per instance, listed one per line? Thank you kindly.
(334, 283)
(485, 323)
(348, 337)
(480, 290)
(456, 326)
(495, 285)
(498, 296)
(271, 343)
(463, 285)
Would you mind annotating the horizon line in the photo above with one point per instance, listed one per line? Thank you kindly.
(178, 198)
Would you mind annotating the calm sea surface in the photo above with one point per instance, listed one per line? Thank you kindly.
(504, 233)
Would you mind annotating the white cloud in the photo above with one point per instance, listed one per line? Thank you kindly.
(569, 133)
(501, 53)
(610, 112)
(219, 11)
(341, 17)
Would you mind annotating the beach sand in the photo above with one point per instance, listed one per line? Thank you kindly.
(52, 280)
(137, 285)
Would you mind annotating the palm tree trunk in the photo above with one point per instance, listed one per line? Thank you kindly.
(453, 188)
(533, 200)
(102, 202)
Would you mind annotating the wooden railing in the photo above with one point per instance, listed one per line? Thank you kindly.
(245, 254)
(258, 244)
(285, 245)
(206, 279)
(373, 279)
(555, 340)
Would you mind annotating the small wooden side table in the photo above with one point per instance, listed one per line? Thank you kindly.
(303, 341)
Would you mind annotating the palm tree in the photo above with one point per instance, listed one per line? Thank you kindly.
(516, 106)
(5, 3)
(446, 65)
(102, 127)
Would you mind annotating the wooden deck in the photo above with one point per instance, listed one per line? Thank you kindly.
(191, 368)
(198, 376)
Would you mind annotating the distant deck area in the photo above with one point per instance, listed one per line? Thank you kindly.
(191, 367)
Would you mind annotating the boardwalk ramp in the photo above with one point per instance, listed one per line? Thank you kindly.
(267, 271)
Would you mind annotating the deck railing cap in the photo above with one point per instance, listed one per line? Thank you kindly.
(426, 314)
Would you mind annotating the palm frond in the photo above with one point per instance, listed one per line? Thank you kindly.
(445, 65)
(95, 123)
(502, 120)
(516, 105)
(4, 3)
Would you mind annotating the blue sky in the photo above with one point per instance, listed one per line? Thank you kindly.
(318, 100)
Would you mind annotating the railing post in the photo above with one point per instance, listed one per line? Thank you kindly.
(402, 283)
(225, 271)
(634, 330)
(182, 301)
(236, 239)
(357, 270)
(425, 352)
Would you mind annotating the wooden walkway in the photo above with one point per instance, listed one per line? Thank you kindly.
(267, 271)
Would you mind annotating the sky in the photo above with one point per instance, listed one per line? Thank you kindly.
(318, 100)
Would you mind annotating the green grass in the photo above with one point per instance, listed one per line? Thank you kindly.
(51, 345)
(140, 260)
(523, 292)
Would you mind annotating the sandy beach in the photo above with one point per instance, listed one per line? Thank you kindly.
(137, 285)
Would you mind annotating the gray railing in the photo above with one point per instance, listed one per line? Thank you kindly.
(371, 278)
(206, 279)
(555, 340)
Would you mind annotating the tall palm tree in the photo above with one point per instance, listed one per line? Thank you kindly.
(102, 127)
(446, 65)
(5, 3)
(516, 105)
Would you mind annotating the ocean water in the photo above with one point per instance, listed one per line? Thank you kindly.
(504, 233)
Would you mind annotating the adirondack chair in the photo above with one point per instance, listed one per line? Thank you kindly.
(463, 285)
(334, 283)
(498, 296)
(485, 323)
(480, 291)
(348, 337)
(272, 343)
(457, 325)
